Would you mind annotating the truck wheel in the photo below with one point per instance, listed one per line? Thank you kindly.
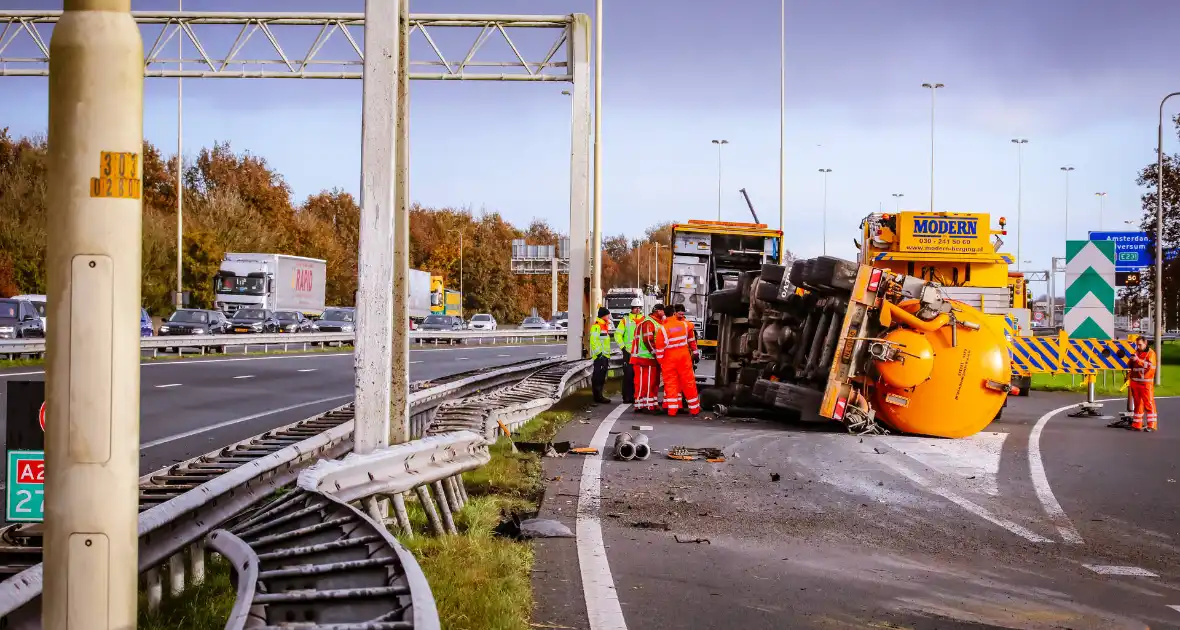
(773, 273)
(728, 302)
(767, 292)
(1024, 383)
(796, 275)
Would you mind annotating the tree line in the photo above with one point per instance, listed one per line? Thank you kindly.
(1140, 300)
(235, 202)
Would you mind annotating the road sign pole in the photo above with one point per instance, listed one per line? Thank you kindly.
(92, 370)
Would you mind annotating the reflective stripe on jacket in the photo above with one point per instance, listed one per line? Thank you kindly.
(1143, 366)
(644, 345)
(672, 338)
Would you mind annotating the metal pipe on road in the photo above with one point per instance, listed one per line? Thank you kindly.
(92, 374)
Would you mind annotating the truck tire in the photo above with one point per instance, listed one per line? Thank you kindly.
(773, 273)
(796, 275)
(767, 292)
(748, 376)
(728, 302)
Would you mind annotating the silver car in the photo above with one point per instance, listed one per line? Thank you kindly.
(482, 321)
(534, 323)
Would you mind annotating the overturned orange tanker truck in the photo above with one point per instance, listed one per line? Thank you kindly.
(833, 340)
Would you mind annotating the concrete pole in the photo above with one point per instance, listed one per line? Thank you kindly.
(553, 291)
(92, 370)
(399, 382)
(596, 230)
(372, 358)
(579, 60)
(179, 164)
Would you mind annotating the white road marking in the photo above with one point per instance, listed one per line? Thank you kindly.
(967, 504)
(598, 585)
(462, 359)
(306, 370)
(228, 423)
(1040, 480)
(503, 355)
(245, 376)
(413, 362)
(1175, 608)
(974, 460)
(1106, 569)
(168, 385)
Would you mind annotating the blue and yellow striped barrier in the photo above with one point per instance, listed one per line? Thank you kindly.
(1044, 355)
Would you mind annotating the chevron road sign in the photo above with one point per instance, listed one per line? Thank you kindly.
(1089, 289)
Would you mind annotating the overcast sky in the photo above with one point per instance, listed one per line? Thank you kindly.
(1080, 79)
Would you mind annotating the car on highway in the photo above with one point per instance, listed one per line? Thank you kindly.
(38, 302)
(194, 321)
(19, 319)
(252, 320)
(560, 321)
(145, 323)
(336, 320)
(482, 321)
(441, 322)
(535, 323)
(291, 322)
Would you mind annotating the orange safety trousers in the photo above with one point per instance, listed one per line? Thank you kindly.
(647, 383)
(1143, 396)
(676, 368)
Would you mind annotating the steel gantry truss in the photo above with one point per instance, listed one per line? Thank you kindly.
(335, 52)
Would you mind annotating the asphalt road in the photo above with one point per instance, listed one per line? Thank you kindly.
(189, 407)
(1069, 525)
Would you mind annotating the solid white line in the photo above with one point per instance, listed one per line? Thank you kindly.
(602, 600)
(227, 423)
(1107, 569)
(245, 376)
(168, 385)
(503, 355)
(462, 359)
(1175, 608)
(968, 505)
(1040, 480)
(306, 370)
(413, 362)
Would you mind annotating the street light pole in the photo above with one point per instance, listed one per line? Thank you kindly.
(825, 172)
(1159, 238)
(1101, 206)
(1067, 170)
(596, 228)
(462, 295)
(782, 114)
(933, 87)
(1019, 142)
(179, 164)
(719, 143)
(897, 201)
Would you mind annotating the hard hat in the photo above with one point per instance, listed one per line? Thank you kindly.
(636, 303)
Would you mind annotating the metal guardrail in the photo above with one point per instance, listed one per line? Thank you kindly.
(18, 347)
(206, 491)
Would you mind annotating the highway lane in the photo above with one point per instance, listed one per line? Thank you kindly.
(189, 407)
(811, 528)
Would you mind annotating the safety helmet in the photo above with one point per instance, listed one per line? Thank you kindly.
(636, 303)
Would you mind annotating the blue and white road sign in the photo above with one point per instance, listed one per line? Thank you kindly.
(1130, 249)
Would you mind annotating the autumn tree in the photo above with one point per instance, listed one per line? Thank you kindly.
(1139, 300)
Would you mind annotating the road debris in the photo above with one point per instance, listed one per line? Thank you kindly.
(775, 476)
(685, 453)
(642, 427)
(651, 525)
(585, 450)
(691, 540)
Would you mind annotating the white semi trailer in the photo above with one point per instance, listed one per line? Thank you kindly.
(275, 282)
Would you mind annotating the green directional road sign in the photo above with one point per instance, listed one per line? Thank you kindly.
(1089, 289)
(25, 494)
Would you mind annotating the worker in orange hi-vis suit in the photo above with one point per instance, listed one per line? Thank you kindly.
(672, 350)
(643, 359)
(1142, 386)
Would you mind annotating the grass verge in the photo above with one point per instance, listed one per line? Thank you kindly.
(1110, 383)
(203, 607)
(479, 580)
